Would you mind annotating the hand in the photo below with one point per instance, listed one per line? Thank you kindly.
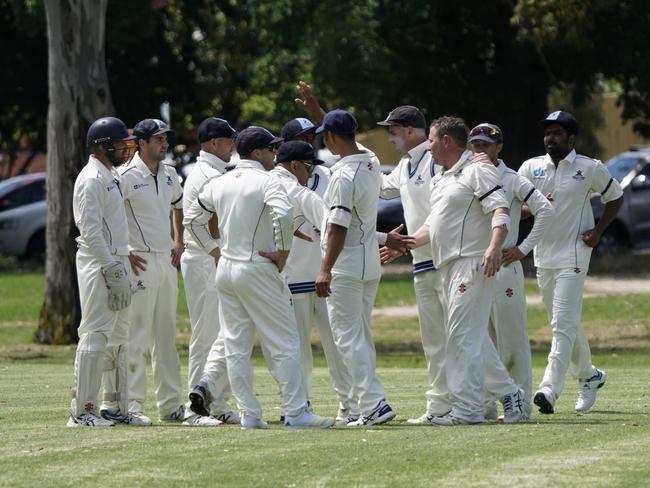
(549, 196)
(119, 286)
(511, 254)
(399, 242)
(216, 254)
(137, 263)
(177, 250)
(481, 158)
(308, 102)
(388, 255)
(491, 261)
(279, 258)
(301, 235)
(591, 237)
(323, 284)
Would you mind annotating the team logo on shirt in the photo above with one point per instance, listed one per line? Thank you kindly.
(141, 185)
(109, 188)
(369, 165)
(576, 270)
(237, 175)
(578, 176)
(419, 180)
(509, 292)
(462, 288)
(539, 173)
(88, 407)
(169, 180)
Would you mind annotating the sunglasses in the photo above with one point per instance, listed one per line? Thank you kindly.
(485, 130)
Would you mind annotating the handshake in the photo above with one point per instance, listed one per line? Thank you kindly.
(396, 245)
(119, 286)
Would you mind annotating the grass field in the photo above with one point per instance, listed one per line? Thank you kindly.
(606, 447)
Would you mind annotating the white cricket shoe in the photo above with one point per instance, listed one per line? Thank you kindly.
(545, 399)
(136, 419)
(195, 420)
(450, 420)
(88, 419)
(587, 389)
(381, 414)
(230, 418)
(424, 419)
(307, 420)
(342, 416)
(250, 422)
(513, 408)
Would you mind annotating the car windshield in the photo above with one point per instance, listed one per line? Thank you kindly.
(620, 166)
(15, 194)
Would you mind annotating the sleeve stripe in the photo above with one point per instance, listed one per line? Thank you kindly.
(203, 206)
(341, 207)
(607, 187)
(177, 200)
(532, 190)
(498, 187)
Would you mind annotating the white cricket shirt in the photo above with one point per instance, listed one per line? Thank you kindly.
(253, 210)
(351, 199)
(571, 185)
(148, 199)
(98, 210)
(462, 201)
(207, 166)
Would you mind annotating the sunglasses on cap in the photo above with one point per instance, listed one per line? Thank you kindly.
(485, 130)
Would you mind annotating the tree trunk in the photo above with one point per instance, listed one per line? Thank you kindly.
(78, 93)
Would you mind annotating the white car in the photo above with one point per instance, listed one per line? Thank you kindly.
(23, 214)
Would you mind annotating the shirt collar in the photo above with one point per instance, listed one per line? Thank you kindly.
(352, 158)
(212, 160)
(461, 163)
(142, 166)
(284, 173)
(569, 158)
(501, 166)
(103, 170)
(416, 153)
(249, 163)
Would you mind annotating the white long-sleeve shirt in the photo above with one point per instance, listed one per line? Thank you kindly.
(411, 180)
(207, 166)
(571, 185)
(253, 211)
(462, 201)
(149, 199)
(518, 190)
(98, 209)
(351, 199)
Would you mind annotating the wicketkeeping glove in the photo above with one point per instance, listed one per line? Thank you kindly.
(119, 286)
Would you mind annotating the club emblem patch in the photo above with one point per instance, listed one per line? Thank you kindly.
(578, 176)
(88, 407)
(539, 173)
(238, 174)
(369, 165)
(576, 270)
(509, 292)
(419, 180)
(169, 180)
(462, 288)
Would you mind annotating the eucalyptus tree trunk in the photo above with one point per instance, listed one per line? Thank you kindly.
(78, 94)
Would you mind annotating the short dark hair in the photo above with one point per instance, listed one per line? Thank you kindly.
(345, 137)
(451, 126)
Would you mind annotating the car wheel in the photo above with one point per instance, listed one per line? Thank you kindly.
(612, 243)
(36, 247)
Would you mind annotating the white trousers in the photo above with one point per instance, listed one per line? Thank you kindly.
(308, 308)
(350, 310)
(431, 316)
(472, 360)
(199, 273)
(102, 332)
(215, 377)
(254, 297)
(153, 329)
(508, 328)
(562, 293)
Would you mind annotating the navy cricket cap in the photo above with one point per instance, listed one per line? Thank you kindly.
(560, 117)
(405, 116)
(296, 151)
(486, 132)
(295, 127)
(339, 122)
(213, 127)
(252, 138)
(150, 127)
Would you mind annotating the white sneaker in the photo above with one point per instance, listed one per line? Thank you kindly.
(381, 414)
(424, 419)
(449, 420)
(342, 416)
(136, 419)
(587, 389)
(250, 422)
(228, 418)
(195, 420)
(545, 399)
(88, 419)
(177, 415)
(307, 420)
(513, 408)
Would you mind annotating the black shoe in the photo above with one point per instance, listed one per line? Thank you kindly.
(197, 401)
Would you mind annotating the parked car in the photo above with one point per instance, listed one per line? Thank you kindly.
(631, 227)
(23, 214)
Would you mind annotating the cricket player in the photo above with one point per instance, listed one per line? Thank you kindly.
(411, 180)
(507, 325)
(562, 255)
(199, 270)
(103, 277)
(350, 269)
(298, 129)
(255, 221)
(466, 229)
(151, 189)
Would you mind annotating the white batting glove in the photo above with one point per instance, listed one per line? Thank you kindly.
(119, 286)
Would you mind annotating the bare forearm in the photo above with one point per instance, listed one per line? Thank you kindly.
(178, 225)
(335, 243)
(421, 236)
(609, 214)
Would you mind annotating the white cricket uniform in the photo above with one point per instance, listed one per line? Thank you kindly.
(254, 214)
(199, 274)
(149, 199)
(508, 316)
(301, 270)
(562, 258)
(99, 215)
(411, 180)
(351, 198)
(462, 201)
